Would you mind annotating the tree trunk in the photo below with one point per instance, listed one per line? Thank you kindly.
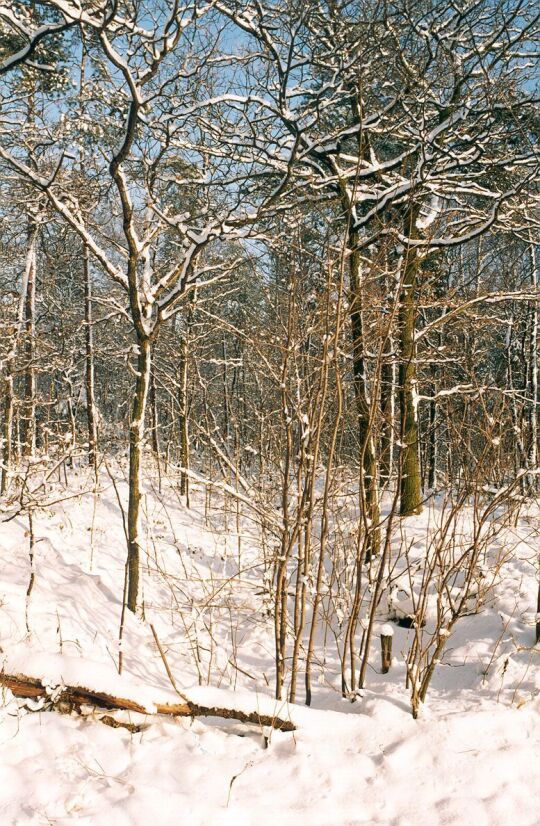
(136, 449)
(155, 415)
(184, 424)
(28, 414)
(369, 474)
(533, 380)
(75, 696)
(225, 379)
(432, 444)
(7, 429)
(410, 482)
(538, 615)
(9, 391)
(89, 364)
(387, 414)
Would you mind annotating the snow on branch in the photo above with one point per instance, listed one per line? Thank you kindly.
(200, 701)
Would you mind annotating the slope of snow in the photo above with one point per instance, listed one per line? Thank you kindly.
(470, 759)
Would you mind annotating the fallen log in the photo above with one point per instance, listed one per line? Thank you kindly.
(22, 685)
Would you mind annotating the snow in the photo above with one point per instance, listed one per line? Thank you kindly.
(470, 757)
(58, 670)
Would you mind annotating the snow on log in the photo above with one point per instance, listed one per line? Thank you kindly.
(22, 685)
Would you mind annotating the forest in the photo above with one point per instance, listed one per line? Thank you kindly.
(269, 412)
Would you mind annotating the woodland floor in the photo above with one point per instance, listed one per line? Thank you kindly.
(472, 757)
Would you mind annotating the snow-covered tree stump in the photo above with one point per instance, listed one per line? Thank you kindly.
(387, 634)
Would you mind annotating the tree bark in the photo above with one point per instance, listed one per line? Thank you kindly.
(136, 449)
(28, 415)
(75, 696)
(432, 445)
(533, 380)
(538, 615)
(387, 415)
(9, 374)
(184, 425)
(410, 482)
(7, 429)
(89, 364)
(155, 415)
(368, 459)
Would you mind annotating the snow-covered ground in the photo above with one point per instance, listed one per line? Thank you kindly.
(472, 757)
